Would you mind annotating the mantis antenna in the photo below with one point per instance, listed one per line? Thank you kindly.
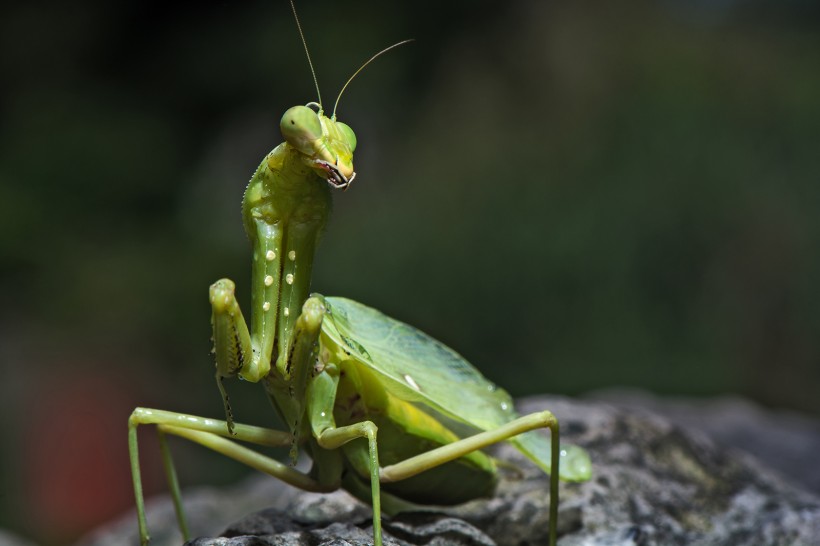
(370, 60)
(307, 53)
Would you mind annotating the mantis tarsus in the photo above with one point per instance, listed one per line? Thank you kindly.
(386, 412)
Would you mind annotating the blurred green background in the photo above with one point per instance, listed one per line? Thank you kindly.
(573, 195)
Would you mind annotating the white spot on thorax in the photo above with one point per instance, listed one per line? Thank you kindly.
(266, 306)
(292, 255)
(287, 311)
(268, 280)
(289, 278)
(270, 255)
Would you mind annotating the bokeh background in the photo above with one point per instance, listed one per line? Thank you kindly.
(575, 195)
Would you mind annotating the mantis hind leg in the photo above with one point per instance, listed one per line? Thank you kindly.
(211, 433)
(449, 452)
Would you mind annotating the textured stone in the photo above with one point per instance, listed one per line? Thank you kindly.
(785, 441)
(270, 528)
(655, 484)
(9, 539)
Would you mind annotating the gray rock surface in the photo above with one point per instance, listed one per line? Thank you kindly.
(654, 483)
(785, 441)
(9, 539)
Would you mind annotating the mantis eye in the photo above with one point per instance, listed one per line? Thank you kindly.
(300, 126)
(350, 136)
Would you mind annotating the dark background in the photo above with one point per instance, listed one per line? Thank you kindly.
(574, 195)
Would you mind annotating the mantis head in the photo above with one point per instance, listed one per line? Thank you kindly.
(327, 145)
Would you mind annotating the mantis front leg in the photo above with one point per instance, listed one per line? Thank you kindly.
(296, 392)
(280, 284)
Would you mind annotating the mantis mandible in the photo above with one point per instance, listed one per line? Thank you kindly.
(386, 412)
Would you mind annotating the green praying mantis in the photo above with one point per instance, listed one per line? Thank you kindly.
(386, 412)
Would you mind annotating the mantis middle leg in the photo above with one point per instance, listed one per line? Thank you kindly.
(211, 433)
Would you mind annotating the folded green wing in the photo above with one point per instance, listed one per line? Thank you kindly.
(418, 368)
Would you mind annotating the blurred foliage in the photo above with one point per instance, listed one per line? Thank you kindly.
(572, 195)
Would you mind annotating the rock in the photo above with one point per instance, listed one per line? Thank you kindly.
(9, 539)
(269, 527)
(654, 483)
(782, 440)
(658, 484)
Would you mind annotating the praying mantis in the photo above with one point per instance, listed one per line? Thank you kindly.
(386, 412)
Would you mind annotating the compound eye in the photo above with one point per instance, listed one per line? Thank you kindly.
(350, 136)
(300, 127)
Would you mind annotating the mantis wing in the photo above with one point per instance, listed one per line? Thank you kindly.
(417, 368)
